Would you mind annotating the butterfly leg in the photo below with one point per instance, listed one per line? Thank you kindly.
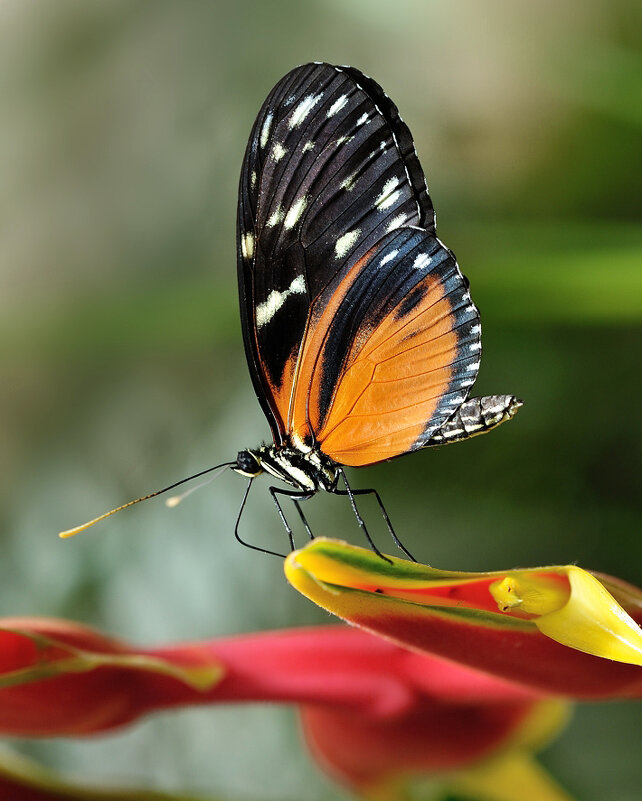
(384, 514)
(238, 520)
(351, 493)
(295, 496)
(306, 525)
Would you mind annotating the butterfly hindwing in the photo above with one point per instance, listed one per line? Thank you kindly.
(392, 355)
(330, 168)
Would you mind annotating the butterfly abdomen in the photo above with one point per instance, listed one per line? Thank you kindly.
(476, 416)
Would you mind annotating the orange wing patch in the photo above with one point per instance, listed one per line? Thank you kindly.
(303, 415)
(393, 382)
(282, 392)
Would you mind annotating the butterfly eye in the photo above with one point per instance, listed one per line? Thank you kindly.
(247, 464)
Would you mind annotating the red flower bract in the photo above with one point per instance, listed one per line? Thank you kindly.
(371, 709)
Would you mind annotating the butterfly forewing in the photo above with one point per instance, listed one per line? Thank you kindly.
(358, 327)
(329, 167)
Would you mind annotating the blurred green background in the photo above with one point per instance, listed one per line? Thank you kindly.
(121, 361)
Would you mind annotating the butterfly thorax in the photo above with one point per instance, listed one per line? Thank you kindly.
(305, 470)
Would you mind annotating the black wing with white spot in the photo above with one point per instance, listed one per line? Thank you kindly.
(329, 170)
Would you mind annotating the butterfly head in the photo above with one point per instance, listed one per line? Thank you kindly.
(248, 464)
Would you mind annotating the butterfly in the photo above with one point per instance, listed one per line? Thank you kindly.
(360, 333)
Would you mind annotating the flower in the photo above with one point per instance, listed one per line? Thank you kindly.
(372, 711)
(559, 630)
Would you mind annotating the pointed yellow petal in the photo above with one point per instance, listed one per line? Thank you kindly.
(593, 621)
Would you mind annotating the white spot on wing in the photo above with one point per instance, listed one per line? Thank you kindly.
(266, 311)
(389, 257)
(298, 285)
(396, 222)
(363, 119)
(389, 194)
(295, 212)
(275, 218)
(473, 366)
(247, 246)
(337, 105)
(253, 179)
(265, 130)
(278, 151)
(349, 182)
(422, 261)
(345, 242)
(476, 329)
(303, 109)
(475, 346)
(308, 146)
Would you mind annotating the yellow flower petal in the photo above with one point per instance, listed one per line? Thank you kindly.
(593, 621)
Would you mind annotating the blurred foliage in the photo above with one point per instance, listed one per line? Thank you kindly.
(121, 366)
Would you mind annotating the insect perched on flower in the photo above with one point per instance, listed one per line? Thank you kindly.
(360, 333)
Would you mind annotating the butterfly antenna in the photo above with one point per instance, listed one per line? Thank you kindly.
(70, 532)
